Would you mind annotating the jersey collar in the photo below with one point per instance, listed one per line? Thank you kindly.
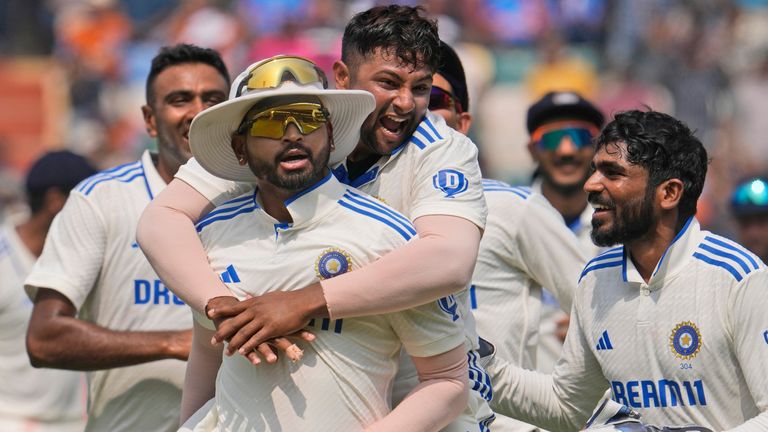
(672, 261)
(154, 183)
(314, 202)
(432, 128)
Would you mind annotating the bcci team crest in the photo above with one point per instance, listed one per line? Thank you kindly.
(452, 182)
(685, 340)
(332, 262)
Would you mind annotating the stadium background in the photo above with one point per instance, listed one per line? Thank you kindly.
(72, 72)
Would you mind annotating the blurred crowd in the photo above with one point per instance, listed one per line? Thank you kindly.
(704, 61)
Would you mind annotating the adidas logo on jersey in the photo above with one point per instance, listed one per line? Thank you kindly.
(230, 275)
(604, 342)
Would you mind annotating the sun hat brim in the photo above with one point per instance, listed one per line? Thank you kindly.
(210, 135)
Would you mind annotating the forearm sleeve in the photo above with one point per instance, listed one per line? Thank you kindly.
(438, 399)
(167, 236)
(438, 263)
(202, 367)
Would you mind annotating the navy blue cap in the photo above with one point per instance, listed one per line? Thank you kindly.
(750, 197)
(61, 169)
(453, 72)
(562, 105)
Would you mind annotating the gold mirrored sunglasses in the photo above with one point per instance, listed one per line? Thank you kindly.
(272, 122)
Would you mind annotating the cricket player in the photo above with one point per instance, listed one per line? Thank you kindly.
(33, 399)
(406, 157)
(99, 306)
(672, 319)
(525, 245)
(300, 225)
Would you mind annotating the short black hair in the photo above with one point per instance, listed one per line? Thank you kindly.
(663, 145)
(180, 54)
(403, 29)
(61, 170)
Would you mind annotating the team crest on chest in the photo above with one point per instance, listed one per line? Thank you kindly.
(685, 340)
(332, 262)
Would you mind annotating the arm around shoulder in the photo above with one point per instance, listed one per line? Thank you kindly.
(438, 399)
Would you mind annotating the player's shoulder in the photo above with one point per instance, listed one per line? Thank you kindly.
(122, 178)
(227, 211)
(499, 190)
(433, 135)
(726, 257)
(610, 261)
(373, 215)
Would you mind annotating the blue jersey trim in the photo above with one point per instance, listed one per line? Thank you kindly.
(129, 173)
(679, 234)
(478, 377)
(719, 263)
(431, 126)
(369, 202)
(229, 210)
(724, 254)
(309, 189)
(600, 266)
(106, 174)
(734, 248)
(349, 202)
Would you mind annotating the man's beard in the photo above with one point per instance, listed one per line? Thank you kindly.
(632, 222)
(293, 181)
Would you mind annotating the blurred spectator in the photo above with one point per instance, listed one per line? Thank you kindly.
(560, 70)
(35, 399)
(749, 207)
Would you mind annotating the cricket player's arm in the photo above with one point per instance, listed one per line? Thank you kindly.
(440, 396)
(748, 323)
(61, 281)
(56, 338)
(202, 368)
(559, 401)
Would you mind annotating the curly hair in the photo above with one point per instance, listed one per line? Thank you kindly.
(401, 29)
(665, 147)
(180, 54)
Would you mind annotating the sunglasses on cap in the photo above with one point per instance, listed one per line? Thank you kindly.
(549, 136)
(274, 72)
(272, 122)
(442, 99)
(751, 193)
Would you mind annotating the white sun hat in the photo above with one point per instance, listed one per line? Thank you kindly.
(210, 134)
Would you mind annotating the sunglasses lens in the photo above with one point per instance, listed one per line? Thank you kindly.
(580, 137)
(440, 99)
(307, 117)
(275, 72)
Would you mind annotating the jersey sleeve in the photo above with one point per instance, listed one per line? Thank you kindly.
(217, 190)
(447, 180)
(430, 329)
(560, 401)
(549, 252)
(748, 322)
(73, 253)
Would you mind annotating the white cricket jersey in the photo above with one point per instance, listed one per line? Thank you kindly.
(91, 257)
(434, 173)
(690, 346)
(344, 380)
(30, 399)
(550, 346)
(525, 245)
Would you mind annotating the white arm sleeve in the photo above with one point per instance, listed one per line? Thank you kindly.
(562, 401)
(748, 321)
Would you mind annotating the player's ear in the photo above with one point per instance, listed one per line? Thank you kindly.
(669, 193)
(238, 146)
(341, 74)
